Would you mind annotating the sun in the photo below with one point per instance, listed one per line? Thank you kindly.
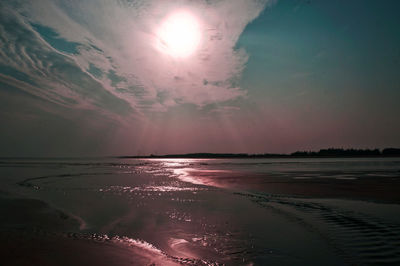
(179, 34)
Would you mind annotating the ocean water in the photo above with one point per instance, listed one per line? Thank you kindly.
(217, 211)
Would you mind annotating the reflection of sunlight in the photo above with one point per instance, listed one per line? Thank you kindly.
(176, 241)
(177, 162)
(181, 247)
(192, 171)
(184, 175)
(136, 243)
(200, 177)
(128, 189)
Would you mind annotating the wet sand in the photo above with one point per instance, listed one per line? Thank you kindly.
(370, 188)
(189, 212)
(33, 233)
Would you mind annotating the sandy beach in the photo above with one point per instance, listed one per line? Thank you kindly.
(33, 233)
(199, 212)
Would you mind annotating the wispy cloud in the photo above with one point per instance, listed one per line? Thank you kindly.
(102, 54)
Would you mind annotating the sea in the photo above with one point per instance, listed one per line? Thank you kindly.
(291, 211)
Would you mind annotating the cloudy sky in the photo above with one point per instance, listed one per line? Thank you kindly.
(86, 77)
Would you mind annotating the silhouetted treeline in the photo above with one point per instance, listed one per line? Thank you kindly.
(391, 151)
(339, 152)
(331, 152)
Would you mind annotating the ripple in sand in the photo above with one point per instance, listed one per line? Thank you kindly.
(359, 238)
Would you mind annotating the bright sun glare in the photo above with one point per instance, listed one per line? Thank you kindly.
(179, 34)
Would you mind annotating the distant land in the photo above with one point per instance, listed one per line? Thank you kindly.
(329, 153)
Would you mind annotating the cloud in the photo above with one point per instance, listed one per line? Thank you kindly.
(102, 54)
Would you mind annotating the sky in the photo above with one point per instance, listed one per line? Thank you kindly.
(135, 77)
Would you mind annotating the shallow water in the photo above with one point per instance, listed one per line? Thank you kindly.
(223, 211)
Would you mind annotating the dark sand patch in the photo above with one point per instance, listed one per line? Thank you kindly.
(34, 215)
(371, 188)
(33, 233)
(28, 248)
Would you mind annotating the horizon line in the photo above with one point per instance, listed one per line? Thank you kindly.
(329, 152)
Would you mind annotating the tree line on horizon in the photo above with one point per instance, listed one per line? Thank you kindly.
(331, 152)
(349, 152)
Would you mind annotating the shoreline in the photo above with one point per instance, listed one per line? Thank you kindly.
(171, 213)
